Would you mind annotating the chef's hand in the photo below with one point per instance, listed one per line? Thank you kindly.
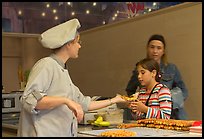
(118, 99)
(76, 108)
(138, 106)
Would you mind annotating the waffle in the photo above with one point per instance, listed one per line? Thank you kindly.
(118, 133)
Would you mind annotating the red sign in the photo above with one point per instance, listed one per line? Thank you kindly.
(133, 8)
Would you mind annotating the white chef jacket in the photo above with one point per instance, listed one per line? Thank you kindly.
(49, 78)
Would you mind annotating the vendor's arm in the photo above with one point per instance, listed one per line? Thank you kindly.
(104, 103)
(50, 102)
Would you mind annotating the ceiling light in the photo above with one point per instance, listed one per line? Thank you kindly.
(48, 5)
(54, 11)
(73, 13)
(19, 12)
(68, 3)
(94, 3)
(43, 14)
(56, 17)
(87, 11)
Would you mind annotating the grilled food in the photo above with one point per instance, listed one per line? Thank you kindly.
(118, 133)
(131, 98)
(170, 124)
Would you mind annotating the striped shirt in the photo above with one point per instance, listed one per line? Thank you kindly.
(160, 102)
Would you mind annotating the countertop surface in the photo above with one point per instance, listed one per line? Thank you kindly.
(10, 126)
(140, 132)
(87, 131)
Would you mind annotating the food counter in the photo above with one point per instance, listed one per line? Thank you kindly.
(9, 130)
(141, 132)
(146, 128)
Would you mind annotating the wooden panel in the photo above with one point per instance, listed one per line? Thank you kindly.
(19, 49)
(10, 73)
(32, 52)
(11, 46)
(109, 53)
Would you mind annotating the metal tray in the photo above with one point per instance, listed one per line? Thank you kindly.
(140, 132)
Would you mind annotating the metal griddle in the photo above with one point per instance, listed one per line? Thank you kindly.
(140, 132)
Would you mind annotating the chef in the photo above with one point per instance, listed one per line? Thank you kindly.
(51, 104)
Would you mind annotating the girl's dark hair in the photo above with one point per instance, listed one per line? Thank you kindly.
(161, 39)
(150, 65)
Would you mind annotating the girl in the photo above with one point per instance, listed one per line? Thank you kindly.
(154, 99)
(156, 49)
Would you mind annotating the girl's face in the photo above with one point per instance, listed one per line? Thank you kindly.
(145, 77)
(155, 50)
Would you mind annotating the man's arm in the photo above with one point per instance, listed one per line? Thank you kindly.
(132, 84)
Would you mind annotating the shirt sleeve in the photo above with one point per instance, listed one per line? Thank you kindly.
(180, 83)
(38, 82)
(132, 84)
(84, 101)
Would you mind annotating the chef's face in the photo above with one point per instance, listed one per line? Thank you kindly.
(74, 47)
(155, 50)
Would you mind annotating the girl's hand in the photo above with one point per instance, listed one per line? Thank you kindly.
(138, 106)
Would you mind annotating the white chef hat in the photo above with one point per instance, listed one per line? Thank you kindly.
(57, 36)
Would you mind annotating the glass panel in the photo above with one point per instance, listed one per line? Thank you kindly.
(6, 25)
(36, 17)
(8, 102)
